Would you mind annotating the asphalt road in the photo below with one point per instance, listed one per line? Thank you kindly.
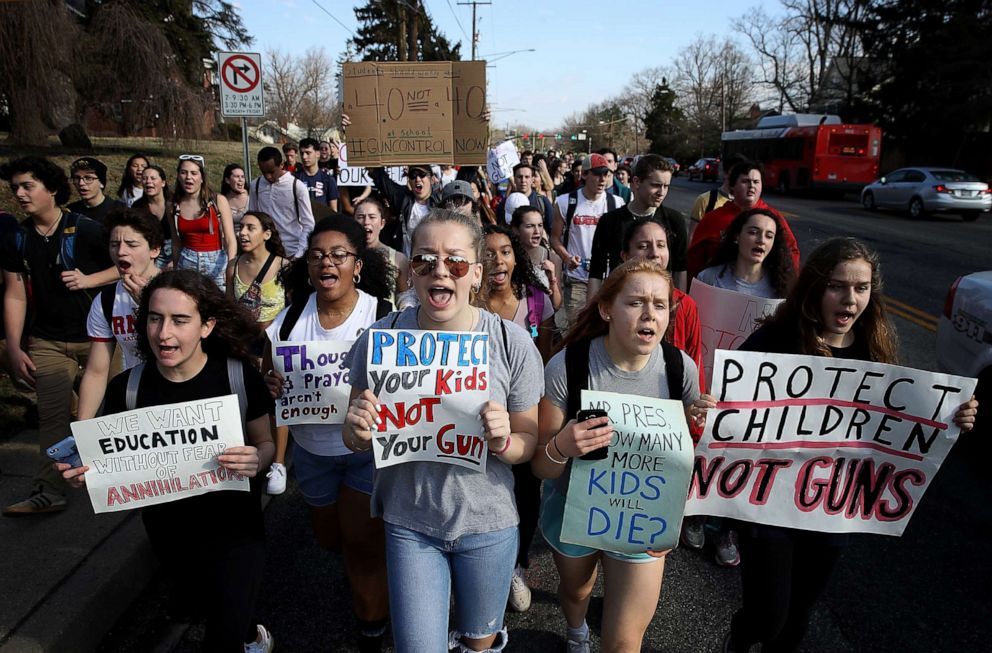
(926, 591)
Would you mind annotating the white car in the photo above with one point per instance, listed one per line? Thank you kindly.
(929, 190)
(964, 335)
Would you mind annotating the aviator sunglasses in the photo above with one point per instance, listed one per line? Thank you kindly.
(424, 264)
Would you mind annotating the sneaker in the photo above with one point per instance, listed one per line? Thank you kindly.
(39, 502)
(572, 646)
(693, 532)
(264, 643)
(519, 592)
(277, 479)
(727, 554)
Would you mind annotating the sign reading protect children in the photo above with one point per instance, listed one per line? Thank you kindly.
(431, 387)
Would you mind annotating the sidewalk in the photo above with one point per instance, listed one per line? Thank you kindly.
(65, 577)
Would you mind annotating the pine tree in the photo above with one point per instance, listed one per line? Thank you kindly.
(664, 122)
(385, 29)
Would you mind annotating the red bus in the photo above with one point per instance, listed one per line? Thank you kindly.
(803, 151)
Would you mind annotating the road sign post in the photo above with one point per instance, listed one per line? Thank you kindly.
(241, 92)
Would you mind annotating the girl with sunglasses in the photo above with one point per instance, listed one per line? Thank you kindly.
(202, 228)
(334, 288)
(447, 527)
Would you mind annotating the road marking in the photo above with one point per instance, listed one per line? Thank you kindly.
(911, 314)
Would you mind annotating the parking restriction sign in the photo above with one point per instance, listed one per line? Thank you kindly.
(240, 84)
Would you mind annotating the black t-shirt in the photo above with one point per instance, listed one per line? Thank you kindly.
(59, 313)
(608, 239)
(8, 230)
(98, 212)
(222, 518)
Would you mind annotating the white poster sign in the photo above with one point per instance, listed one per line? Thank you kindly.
(316, 387)
(359, 176)
(500, 161)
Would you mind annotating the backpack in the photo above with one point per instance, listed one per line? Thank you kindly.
(577, 372)
(573, 203)
(382, 308)
(235, 378)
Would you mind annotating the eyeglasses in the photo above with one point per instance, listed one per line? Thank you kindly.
(191, 157)
(338, 257)
(424, 264)
(86, 180)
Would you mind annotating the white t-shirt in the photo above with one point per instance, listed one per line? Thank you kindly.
(121, 326)
(583, 228)
(417, 213)
(324, 439)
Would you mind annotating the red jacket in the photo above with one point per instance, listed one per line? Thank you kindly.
(706, 238)
(686, 334)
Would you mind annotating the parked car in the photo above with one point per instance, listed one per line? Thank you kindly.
(705, 169)
(929, 190)
(675, 165)
(964, 335)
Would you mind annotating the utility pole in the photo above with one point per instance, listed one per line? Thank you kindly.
(475, 32)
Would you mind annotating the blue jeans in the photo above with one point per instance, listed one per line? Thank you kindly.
(422, 570)
(212, 265)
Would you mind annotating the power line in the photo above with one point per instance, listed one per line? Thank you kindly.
(333, 17)
(475, 31)
(452, 8)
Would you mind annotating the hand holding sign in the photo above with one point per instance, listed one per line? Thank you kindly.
(243, 460)
(579, 438)
(362, 417)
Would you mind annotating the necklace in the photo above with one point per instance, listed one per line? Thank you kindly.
(47, 235)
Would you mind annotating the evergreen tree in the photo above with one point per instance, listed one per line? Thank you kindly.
(385, 28)
(664, 122)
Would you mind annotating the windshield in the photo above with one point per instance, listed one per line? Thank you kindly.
(952, 175)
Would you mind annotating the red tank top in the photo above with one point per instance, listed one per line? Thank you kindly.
(200, 234)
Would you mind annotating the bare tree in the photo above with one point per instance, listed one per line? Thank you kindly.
(301, 90)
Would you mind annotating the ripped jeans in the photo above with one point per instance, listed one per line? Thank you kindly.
(423, 570)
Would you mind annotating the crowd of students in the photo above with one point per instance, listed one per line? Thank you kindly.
(578, 278)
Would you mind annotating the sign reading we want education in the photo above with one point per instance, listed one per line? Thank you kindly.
(416, 112)
(159, 454)
(822, 444)
(431, 387)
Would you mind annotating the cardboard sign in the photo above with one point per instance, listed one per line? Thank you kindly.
(164, 453)
(500, 161)
(316, 387)
(431, 387)
(823, 444)
(726, 318)
(349, 175)
(632, 500)
(416, 112)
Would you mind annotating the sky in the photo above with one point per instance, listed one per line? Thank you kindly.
(584, 51)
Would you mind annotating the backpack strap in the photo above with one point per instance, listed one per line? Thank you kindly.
(711, 204)
(133, 381)
(261, 273)
(296, 205)
(107, 296)
(611, 202)
(67, 248)
(573, 202)
(674, 369)
(383, 307)
(292, 316)
(236, 379)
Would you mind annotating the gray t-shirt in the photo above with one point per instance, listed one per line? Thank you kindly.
(604, 375)
(445, 501)
(722, 276)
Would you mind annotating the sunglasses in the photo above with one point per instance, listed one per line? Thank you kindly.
(191, 157)
(417, 174)
(424, 264)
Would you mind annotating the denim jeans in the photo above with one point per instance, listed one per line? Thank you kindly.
(210, 264)
(422, 571)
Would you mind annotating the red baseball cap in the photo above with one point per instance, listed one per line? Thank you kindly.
(595, 163)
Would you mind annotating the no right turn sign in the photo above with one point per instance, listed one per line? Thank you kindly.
(240, 84)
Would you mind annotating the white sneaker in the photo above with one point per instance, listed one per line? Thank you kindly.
(519, 592)
(265, 642)
(277, 479)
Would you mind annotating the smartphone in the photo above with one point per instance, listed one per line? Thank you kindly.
(65, 452)
(590, 413)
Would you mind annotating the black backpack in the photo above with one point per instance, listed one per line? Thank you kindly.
(573, 203)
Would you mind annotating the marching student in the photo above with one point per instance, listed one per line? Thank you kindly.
(131, 188)
(202, 228)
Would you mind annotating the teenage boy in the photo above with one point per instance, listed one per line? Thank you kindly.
(63, 256)
(289, 153)
(89, 176)
(575, 219)
(652, 179)
(715, 197)
(135, 241)
(572, 180)
(614, 186)
(411, 203)
(523, 182)
(320, 183)
(285, 198)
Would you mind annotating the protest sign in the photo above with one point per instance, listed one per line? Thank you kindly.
(159, 454)
(416, 112)
(431, 387)
(633, 499)
(349, 175)
(315, 386)
(726, 318)
(822, 444)
(500, 162)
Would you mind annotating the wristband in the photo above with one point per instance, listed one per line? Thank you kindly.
(503, 450)
(547, 452)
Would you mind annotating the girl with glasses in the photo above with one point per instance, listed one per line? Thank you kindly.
(202, 228)
(449, 528)
(334, 288)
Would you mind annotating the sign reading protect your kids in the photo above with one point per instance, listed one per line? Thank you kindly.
(431, 387)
